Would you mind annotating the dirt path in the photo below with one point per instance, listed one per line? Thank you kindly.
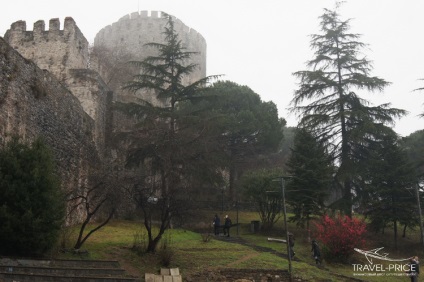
(243, 259)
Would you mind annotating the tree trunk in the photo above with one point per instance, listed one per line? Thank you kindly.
(404, 231)
(348, 198)
(395, 233)
(232, 177)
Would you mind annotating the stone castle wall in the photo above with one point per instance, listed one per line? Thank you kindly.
(34, 103)
(96, 99)
(65, 54)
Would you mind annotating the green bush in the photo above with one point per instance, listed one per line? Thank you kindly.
(31, 204)
(166, 252)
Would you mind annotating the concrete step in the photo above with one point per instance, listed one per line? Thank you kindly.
(61, 270)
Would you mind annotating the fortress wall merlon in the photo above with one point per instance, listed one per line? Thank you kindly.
(54, 25)
(70, 27)
(134, 15)
(39, 27)
(18, 26)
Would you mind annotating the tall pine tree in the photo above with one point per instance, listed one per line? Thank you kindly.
(336, 113)
(312, 171)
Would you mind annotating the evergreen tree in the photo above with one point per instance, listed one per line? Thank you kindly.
(414, 146)
(312, 171)
(168, 139)
(388, 185)
(246, 126)
(31, 203)
(337, 114)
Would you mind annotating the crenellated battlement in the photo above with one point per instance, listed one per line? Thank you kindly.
(18, 30)
(52, 49)
(134, 30)
(148, 28)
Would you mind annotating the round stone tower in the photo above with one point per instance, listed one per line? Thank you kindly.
(130, 34)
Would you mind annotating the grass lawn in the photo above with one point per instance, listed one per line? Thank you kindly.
(191, 254)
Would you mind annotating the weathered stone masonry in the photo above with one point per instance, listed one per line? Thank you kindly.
(34, 103)
(64, 53)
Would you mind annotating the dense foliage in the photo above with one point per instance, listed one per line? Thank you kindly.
(311, 173)
(339, 236)
(246, 126)
(31, 204)
(388, 188)
(414, 146)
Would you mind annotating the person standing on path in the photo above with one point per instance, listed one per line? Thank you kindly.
(316, 252)
(291, 244)
(216, 224)
(414, 269)
(227, 225)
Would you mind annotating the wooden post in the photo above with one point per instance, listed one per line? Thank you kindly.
(417, 188)
(285, 226)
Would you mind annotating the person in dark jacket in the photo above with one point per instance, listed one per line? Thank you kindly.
(216, 224)
(316, 252)
(227, 225)
(414, 269)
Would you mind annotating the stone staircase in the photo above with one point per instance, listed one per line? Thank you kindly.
(20, 270)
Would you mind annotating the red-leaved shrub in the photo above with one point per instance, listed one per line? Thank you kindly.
(339, 236)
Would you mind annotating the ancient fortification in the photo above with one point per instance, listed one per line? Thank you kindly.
(51, 85)
(137, 29)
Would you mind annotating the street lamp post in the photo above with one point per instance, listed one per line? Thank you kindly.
(282, 181)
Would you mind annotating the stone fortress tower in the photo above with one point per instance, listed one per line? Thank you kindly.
(130, 34)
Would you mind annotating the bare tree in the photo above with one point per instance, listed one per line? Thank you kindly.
(98, 202)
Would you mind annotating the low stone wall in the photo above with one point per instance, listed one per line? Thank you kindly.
(166, 275)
